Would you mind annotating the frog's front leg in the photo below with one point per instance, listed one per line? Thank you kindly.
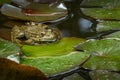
(30, 41)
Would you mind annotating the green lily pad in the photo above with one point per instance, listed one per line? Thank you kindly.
(7, 48)
(108, 25)
(104, 3)
(102, 13)
(54, 65)
(63, 47)
(113, 35)
(104, 75)
(54, 58)
(105, 54)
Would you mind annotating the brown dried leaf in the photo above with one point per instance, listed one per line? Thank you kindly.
(10, 70)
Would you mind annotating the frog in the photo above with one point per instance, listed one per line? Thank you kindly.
(32, 33)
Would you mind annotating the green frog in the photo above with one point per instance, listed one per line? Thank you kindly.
(34, 34)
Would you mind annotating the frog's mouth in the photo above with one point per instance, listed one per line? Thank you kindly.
(22, 38)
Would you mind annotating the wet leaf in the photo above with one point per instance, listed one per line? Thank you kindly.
(55, 65)
(43, 14)
(56, 57)
(73, 77)
(104, 75)
(105, 54)
(108, 25)
(8, 48)
(10, 70)
(35, 1)
(103, 3)
(102, 13)
(113, 35)
(55, 49)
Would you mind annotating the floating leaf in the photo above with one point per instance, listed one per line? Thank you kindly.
(8, 48)
(102, 13)
(105, 54)
(48, 14)
(113, 35)
(101, 3)
(108, 25)
(54, 65)
(55, 49)
(73, 77)
(55, 57)
(104, 75)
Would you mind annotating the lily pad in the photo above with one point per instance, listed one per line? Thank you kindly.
(113, 35)
(102, 13)
(105, 54)
(103, 3)
(73, 77)
(64, 46)
(108, 25)
(55, 65)
(104, 75)
(38, 16)
(8, 48)
(54, 58)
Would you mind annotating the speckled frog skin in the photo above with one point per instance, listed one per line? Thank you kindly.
(34, 34)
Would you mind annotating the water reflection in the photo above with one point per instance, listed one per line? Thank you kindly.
(77, 24)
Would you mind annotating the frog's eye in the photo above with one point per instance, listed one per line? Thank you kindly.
(42, 34)
(22, 37)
